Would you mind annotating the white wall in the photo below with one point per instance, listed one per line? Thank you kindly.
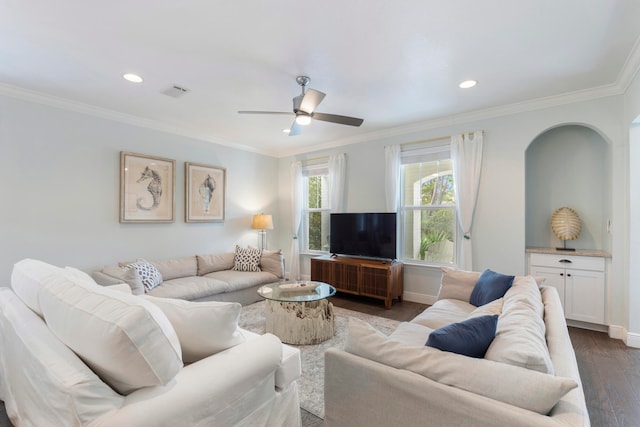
(60, 183)
(499, 227)
(631, 199)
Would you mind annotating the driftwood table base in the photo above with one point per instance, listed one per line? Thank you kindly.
(300, 323)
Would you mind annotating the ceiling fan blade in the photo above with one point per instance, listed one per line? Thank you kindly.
(296, 129)
(311, 100)
(334, 118)
(288, 113)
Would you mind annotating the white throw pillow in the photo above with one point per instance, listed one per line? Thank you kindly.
(127, 341)
(524, 388)
(27, 277)
(203, 328)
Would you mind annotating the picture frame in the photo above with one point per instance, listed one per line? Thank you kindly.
(205, 192)
(147, 188)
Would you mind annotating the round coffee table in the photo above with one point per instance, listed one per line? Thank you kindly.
(298, 312)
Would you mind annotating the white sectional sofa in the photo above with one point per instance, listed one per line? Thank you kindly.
(527, 377)
(208, 277)
(75, 353)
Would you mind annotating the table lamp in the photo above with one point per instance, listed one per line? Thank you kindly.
(263, 223)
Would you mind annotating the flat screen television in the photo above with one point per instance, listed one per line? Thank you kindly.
(371, 235)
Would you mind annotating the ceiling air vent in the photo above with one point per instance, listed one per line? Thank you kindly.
(175, 91)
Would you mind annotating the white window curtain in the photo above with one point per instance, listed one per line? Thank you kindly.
(392, 176)
(466, 156)
(337, 170)
(296, 218)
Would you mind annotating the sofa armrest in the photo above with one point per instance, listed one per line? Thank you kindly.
(361, 392)
(212, 391)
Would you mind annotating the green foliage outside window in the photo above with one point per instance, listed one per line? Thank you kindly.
(315, 218)
(436, 224)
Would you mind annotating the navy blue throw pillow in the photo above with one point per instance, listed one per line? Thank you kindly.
(470, 337)
(489, 287)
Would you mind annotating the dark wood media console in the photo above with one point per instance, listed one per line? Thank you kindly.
(376, 279)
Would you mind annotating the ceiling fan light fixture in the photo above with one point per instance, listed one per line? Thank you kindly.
(303, 119)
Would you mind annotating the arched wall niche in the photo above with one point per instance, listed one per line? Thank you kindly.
(568, 165)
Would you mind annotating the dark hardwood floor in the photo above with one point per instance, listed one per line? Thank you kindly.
(610, 370)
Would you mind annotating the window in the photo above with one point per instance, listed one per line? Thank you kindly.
(317, 209)
(427, 212)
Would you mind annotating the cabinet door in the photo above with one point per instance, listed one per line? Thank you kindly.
(553, 277)
(345, 277)
(585, 296)
(322, 271)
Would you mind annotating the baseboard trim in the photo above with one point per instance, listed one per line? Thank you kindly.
(633, 340)
(617, 332)
(419, 298)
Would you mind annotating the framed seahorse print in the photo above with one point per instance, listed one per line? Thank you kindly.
(204, 193)
(146, 188)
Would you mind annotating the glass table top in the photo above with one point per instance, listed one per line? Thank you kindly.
(297, 291)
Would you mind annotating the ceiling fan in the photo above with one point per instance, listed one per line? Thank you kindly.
(304, 106)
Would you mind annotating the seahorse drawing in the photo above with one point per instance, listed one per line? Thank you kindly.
(206, 190)
(154, 187)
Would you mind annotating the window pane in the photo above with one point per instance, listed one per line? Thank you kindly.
(428, 183)
(318, 231)
(429, 235)
(318, 192)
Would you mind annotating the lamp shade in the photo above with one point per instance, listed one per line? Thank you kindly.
(566, 224)
(262, 222)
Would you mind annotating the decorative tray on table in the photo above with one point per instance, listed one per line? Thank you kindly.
(298, 287)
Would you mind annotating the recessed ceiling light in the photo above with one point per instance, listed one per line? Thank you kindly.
(134, 78)
(467, 84)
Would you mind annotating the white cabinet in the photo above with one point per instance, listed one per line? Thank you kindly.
(580, 281)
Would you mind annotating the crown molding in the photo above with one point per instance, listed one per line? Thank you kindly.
(104, 113)
(471, 116)
(630, 68)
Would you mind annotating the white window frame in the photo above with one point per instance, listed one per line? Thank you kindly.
(423, 155)
(318, 168)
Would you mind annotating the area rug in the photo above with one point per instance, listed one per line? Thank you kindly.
(311, 384)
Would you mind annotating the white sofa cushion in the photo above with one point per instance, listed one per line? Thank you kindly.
(203, 328)
(37, 367)
(125, 339)
(525, 388)
(27, 277)
(444, 312)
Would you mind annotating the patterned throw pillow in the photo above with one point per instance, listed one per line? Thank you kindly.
(149, 274)
(246, 259)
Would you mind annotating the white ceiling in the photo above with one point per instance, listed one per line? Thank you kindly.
(397, 64)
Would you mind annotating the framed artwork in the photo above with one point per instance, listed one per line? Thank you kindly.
(146, 188)
(204, 193)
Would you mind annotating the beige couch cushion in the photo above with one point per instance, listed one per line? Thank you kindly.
(126, 340)
(214, 262)
(525, 388)
(27, 277)
(273, 262)
(203, 328)
(410, 333)
(127, 275)
(189, 288)
(178, 267)
(238, 280)
(457, 284)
